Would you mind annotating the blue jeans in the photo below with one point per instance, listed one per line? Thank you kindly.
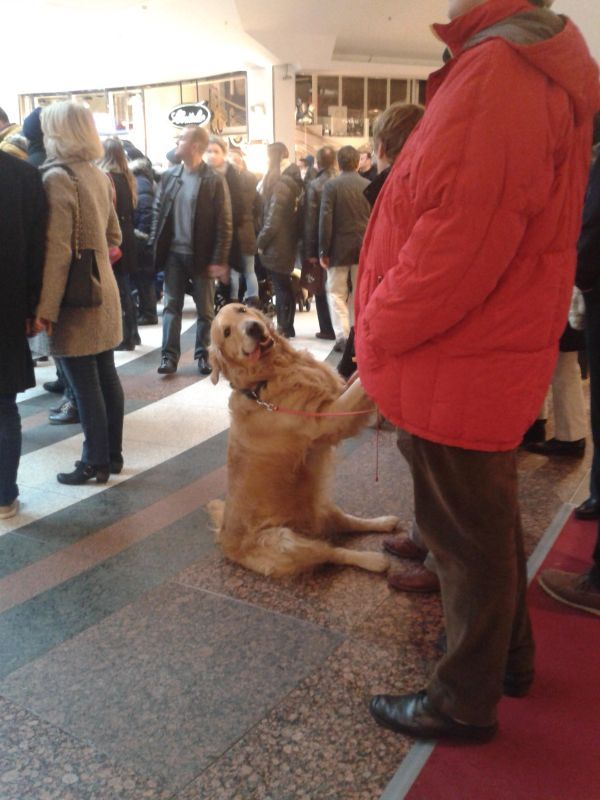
(251, 280)
(10, 448)
(100, 403)
(178, 271)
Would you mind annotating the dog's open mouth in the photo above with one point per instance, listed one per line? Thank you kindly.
(262, 347)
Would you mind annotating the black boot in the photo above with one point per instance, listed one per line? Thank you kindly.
(82, 474)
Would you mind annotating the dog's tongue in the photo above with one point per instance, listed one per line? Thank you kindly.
(255, 354)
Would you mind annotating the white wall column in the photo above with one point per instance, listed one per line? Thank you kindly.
(284, 111)
(259, 87)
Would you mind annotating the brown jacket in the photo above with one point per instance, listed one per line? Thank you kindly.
(80, 331)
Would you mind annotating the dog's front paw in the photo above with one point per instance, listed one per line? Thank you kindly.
(385, 524)
(375, 562)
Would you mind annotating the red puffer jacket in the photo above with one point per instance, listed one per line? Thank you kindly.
(469, 258)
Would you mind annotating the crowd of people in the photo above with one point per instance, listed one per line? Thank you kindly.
(443, 254)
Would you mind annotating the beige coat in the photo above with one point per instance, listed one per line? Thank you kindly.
(80, 331)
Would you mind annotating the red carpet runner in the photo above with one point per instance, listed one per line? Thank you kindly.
(548, 746)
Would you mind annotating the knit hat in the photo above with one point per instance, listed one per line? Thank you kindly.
(32, 127)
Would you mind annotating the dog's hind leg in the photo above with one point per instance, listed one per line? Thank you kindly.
(337, 521)
(281, 551)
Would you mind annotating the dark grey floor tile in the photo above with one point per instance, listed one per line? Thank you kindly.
(41, 762)
(18, 551)
(34, 627)
(169, 683)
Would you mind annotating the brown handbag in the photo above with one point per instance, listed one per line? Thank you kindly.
(83, 288)
(312, 277)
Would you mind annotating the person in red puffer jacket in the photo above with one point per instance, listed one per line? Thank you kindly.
(464, 286)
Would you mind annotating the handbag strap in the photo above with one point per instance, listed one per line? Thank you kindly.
(75, 181)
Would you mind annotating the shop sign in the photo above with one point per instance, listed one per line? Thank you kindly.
(189, 114)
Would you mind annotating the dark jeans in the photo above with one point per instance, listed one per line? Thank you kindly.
(10, 448)
(128, 312)
(323, 314)
(467, 511)
(285, 304)
(592, 335)
(60, 374)
(100, 403)
(178, 271)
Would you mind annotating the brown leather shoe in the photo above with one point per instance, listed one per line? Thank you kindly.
(412, 714)
(404, 547)
(422, 581)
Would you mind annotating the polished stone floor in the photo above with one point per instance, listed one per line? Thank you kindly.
(135, 662)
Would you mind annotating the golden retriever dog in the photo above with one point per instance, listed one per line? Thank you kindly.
(277, 515)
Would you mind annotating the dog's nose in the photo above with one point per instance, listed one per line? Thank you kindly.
(254, 330)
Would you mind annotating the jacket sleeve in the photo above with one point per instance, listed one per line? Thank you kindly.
(481, 175)
(273, 217)
(36, 243)
(326, 219)
(158, 198)
(311, 222)
(224, 227)
(143, 211)
(588, 248)
(114, 235)
(62, 202)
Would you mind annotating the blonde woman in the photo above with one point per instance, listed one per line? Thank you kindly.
(114, 163)
(82, 338)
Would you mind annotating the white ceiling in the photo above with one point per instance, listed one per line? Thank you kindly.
(56, 45)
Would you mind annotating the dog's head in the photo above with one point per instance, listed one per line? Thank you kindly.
(243, 343)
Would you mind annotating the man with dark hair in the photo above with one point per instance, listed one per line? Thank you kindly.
(23, 215)
(465, 285)
(342, 223)
(312, 207)
(366, 168)
(191, 237)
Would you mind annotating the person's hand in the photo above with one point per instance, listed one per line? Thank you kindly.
(40, 324)
(324, 262)
(352, 379)
(29, 331)
(219, 271)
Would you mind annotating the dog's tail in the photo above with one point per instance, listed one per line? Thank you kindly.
(216, 509)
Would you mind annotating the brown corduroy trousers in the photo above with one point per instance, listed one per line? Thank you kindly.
(467, 511)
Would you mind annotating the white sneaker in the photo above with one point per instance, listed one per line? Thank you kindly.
(9, 511)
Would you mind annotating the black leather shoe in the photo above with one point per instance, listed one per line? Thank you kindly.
(412, 715)
(167, 366)
(204, 368)
(55, 387)
(116, 463)
(556, 447)
(328, 336)
(535, 433)
(67, 415)
(589, 509)
(82, 474)
(125, 346)
(517, 684)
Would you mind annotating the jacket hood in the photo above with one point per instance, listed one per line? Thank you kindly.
(549, 42)
(32, 128)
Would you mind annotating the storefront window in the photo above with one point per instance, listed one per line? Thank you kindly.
(189, 92)
(376, 99)
(328, 103)
(305, 110)
(353, 100)
(398, 91)
(227, 103)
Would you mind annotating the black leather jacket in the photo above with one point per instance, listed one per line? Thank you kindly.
(212, 219)
(312, 206)
(343, 218)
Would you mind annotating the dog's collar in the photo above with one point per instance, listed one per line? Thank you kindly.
(253, 393)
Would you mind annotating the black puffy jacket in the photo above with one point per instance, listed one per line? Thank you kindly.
(278, 240)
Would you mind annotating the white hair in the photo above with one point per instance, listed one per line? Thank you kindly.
(70, 132)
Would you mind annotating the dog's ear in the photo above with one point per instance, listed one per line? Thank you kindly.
(216, 362)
